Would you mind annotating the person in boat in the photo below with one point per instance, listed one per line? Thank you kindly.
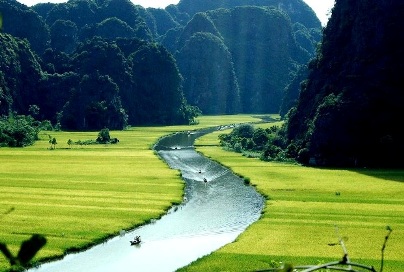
(199, 171)
(136, 240)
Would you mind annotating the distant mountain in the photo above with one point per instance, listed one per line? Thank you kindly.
(262, 53)
(350, 108)
(297, 10)
(268, 40)
(221, 56)
(22, 22)
(209, 78)
(20, 72)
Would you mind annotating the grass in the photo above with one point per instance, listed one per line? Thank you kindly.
(303, 207)
(77, 197)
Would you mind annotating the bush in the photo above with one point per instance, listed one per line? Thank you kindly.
(243, 131)
(238, 148)
(18, 131)
(103, 136)
(267, 144)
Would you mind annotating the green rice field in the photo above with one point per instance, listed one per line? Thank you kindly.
(304, 208)
(80, 195)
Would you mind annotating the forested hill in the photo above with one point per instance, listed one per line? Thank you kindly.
(89, 64)
(297, 10)
(350, 108)
(241, 57)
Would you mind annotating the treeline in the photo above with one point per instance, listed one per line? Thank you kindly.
(267, 144)
(108, 63)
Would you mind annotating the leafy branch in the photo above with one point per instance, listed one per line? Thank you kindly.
(389, 230)
(29, 248)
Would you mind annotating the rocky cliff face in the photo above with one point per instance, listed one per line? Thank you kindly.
(20, 72)
(349, 109)
(297, 10)
(234, 55)
(258, 47)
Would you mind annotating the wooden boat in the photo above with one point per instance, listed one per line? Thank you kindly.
(135, 241)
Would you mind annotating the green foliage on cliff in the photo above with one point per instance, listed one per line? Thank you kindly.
(212, 85)
(88, 64)
(349, 109)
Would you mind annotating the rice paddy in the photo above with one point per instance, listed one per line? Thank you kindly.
(80, 196)
(77, 196)
(304, 208)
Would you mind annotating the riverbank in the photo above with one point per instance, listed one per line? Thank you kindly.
(78, 196)
(303, 207)
(213, 214)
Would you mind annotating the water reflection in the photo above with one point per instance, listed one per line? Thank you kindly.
(214, 212)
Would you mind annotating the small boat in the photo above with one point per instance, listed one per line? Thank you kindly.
(135, 241)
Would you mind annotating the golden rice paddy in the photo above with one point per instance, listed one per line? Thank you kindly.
(304, 209)
(79, 195)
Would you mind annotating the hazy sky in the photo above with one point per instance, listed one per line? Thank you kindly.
(321, 7)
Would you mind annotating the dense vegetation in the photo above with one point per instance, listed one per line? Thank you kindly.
(268, 143)
(18, 131)
(89, 64)
(94, 87)
(351, 95)
(240, 58)
(349, 108)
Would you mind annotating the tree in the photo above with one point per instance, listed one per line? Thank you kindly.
(243, 131)
(103, 136)
(70, 143)
(18, 131)
(260, 137)
(52, 142)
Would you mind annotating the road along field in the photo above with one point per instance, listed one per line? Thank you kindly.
(79, 195)
(304, 205)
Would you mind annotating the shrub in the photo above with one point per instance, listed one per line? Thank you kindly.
(18, 131)
(103, 136)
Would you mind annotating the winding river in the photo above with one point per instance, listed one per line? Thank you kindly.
(217, 207)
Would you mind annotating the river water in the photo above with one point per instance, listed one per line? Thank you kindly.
(217, 207)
